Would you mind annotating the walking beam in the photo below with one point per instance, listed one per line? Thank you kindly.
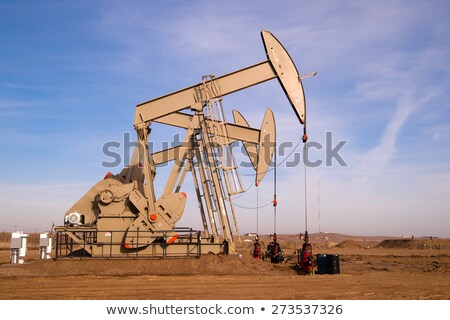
(279, 65)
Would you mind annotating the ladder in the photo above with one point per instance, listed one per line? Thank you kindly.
(222, 179)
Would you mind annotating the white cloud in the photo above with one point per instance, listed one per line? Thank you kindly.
(381, 67)
(16, 104)
(439, 131)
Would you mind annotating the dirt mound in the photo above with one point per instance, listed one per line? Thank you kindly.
(397, 243)
(327, 245)
(348, 244)
(205, 265)
(417, 243)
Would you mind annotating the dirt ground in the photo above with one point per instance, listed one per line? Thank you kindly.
(399, 269)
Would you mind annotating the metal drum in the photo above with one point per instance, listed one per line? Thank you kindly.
(333, 264)
(322, 264)
(14, 256)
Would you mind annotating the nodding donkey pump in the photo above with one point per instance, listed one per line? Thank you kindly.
(121, 214)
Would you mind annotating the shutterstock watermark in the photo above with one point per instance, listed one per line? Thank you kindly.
(312, 153)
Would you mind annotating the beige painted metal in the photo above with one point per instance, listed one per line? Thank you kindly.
(207, 191)
(195, 97)
(227, 169)
(267, 138)
(250, 147)
(179, 162)
(190, 167)
(236, 132)
(122, 207)
(211, 163)
(287, 73)
(279, 65)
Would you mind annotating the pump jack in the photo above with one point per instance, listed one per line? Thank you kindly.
(121, 216)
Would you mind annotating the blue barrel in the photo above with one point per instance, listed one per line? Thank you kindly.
(322, 264)
(333, 264)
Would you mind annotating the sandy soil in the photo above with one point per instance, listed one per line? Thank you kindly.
(398, 270)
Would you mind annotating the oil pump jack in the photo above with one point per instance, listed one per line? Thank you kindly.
(121, 216)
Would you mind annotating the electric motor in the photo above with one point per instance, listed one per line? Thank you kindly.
(73, 219)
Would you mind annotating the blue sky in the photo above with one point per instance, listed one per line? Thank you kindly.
(71, 74)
